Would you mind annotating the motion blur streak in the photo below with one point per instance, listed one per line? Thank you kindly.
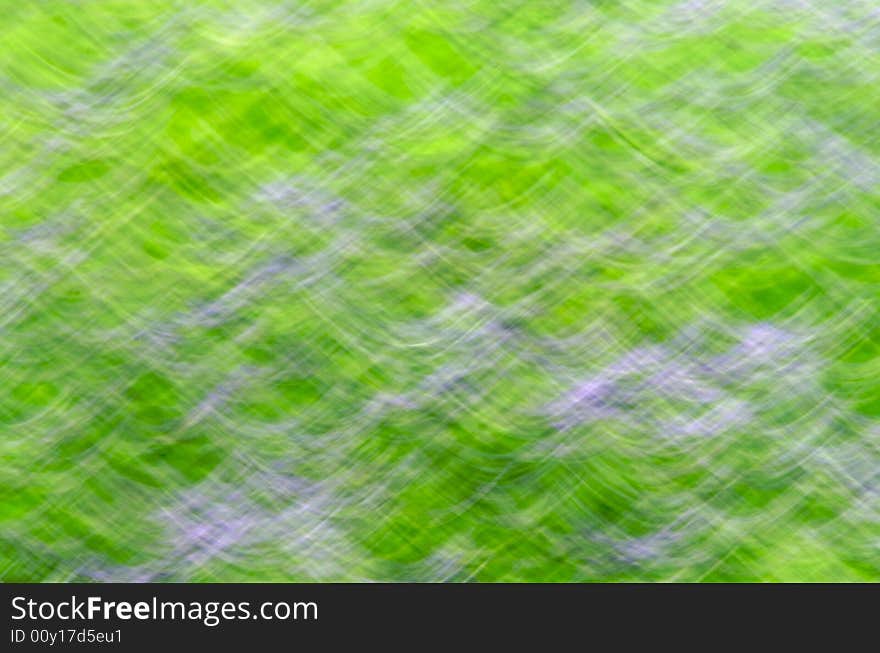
(440, 291)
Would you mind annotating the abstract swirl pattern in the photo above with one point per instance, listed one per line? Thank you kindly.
(440, 291)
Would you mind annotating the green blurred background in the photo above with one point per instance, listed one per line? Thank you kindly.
(440, 291)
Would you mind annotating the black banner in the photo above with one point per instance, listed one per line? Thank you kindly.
(287, 616)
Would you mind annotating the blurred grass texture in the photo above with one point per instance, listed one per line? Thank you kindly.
(440, 291)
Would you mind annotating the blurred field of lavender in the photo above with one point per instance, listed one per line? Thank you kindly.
(440, 291)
